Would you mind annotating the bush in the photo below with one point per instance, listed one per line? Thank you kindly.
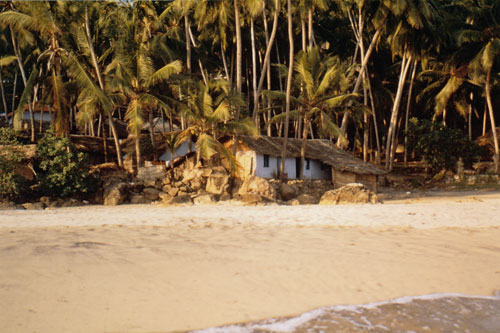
(62, 171)
(439, 146)
(12, 185)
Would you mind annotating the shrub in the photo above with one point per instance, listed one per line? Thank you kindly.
(439, 146)
(12, 185)
(62, 171)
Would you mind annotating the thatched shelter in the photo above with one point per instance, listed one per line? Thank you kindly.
(261, 156)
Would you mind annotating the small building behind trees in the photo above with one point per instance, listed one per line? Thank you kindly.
(261, 156)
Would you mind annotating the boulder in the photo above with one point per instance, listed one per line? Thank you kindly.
(137, 198)
(182, 200)
(115, 194)
(351, 193)
(293, 202)
(218, 181)
(287, 192)
(71, 203)
(190, 174)
(164, 197)
(33, 206)
(151, 193)
(306, 199)
(195, 184)
(173, 191)
(204, 199)
(257, 185)
(7, 205)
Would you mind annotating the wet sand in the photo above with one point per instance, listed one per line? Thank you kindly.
(158, 269)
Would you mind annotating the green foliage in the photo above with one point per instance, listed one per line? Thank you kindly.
(12, 185)
(439, 146)
(8, 136)
(62, 172)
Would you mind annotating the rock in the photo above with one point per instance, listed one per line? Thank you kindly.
(251, 198)
(306, 199)
(116, 194)
(225, 197)
(178, 184)
(166, 188)
(33, 206)
(293, 202)
(287, 192)
(71, 203)
(173, 191)
(218, 181)
(164, 197)
(136, 187)
(138, 199)
(46, 200)
(7, 205)
(254, 184)
(351, 193)
(183, 200)
(151, 172)
(195, 185)
(204, 199)
(190, 174)
(151, 193)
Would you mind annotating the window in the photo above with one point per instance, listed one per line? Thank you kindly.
(308, 164)
(266, 161)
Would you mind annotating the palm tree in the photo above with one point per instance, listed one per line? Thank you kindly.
(208, 109)
(482, 38)
(288, 89)
(415, 20)
(132, 72)
(323, 89)
(83, 65)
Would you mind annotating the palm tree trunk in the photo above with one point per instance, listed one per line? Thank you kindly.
(138, 150)
(288, 91)
(254, 73)
(345, 119)
(389, 148)
(188, 44)
(407, 115)
(224, 61)
(25, 81)
(267, 66)
(4, 101)
(237, 24)
(152, 135)
(310, 32)
(487, 89)
(101, 85)
(267, 57)
(303, 148)
(14, 90)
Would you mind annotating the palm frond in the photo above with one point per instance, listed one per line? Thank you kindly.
(7, 60)
(445, 94)
(134, 117)
(206, 145)
(25, 99)
(165, 73)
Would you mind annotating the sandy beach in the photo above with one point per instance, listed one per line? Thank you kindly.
(146, 268)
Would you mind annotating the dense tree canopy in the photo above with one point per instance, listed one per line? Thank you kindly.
(214, 68)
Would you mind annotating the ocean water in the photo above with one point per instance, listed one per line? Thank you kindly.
(429, 313)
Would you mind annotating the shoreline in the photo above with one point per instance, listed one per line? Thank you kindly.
(142, 268)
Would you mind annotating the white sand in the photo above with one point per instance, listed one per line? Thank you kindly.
(159, 269)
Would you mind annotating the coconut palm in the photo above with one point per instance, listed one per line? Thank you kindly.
(482, 39)
(208, 110)
(132, 71)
